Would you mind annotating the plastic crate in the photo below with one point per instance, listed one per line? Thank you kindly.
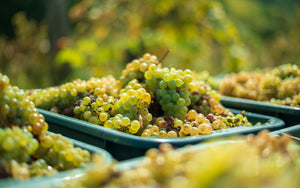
(59, 179)
(124, 146)
(290, 115)
(293, 131)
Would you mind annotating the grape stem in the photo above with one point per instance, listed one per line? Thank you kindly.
(293, 137)
(141, 120)
(164, 56)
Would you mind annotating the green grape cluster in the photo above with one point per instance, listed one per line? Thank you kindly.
(280, 85)
(171, 88)
(15, 109)
(136, 69)
(132, 109)
(242, 85)
(147, 100)
(193, 124)
(17, 144)
(61, 99)
(218, 165)
(26, 149)
(94, 109)
(60, 153)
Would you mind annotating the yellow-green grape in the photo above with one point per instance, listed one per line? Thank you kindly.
(194, 131)
(103, 116)
(204, 128)
(201, 119)
(178, 123)
(94, 120)
(125, 121)
(108, 124)
(217, 124)
(192, 114)
(117, 123)
(172, 134)
(134, 126)
(181, 133)
(146, 133)
(163, 133)
(186, 128)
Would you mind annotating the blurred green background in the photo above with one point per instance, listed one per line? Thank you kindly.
(48, 42)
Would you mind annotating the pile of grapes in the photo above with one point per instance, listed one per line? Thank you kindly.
(281, 85)
(26, 149)
(254, 161)
(147, 100)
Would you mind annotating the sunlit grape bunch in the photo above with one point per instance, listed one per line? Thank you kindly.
(283, 82)
(62, 98)
(131, 108)
(136, 69)
(248, 162)
(280, 85)
(147, 100)
(17, 110)
(26, 149)
(242, 85)
(193, 124)
(60, 153)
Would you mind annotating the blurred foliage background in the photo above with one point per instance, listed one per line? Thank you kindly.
(45, 43)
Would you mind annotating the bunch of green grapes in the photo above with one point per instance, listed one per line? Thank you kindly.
(205, 100)
(147, 100)
(60, 153)
(193, 124)
(62, 99)
(26, 149)
(17, 144)
(171, 89)
(254, 161)
(242, 85)
(94, 109)
(135, 69)
(16, 154)
(15, 109)
(280, 85)
(131, 108)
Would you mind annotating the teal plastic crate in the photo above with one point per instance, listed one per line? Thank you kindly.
(124, 146)
(290, 115)
(293, 131)
(59, 179)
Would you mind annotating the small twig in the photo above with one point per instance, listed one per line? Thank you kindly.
(141, 120)
(293, 137)
(164, 56)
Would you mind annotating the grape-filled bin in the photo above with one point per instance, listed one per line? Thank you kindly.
(60, 178)
(124, 146)
(290, 115)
